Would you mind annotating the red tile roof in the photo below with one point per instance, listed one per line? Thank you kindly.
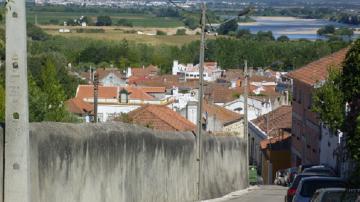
(167, 81)
(112, 92)
(264, 143)
(153, 89)
(279, 119)
(222, 114)
(219, 93)
(161, 118)
(77, 106)
(138, 94)
(106, 92)
(318, 70)
(145, 72)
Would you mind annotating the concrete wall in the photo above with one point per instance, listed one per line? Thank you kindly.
(108, 162)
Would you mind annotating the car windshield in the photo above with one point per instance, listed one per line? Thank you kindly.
(341, 196)
(318, 170)
(309, 187)
(297, 179)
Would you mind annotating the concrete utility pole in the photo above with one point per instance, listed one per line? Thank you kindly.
(200, 99)
(246, 133)
(17, 173)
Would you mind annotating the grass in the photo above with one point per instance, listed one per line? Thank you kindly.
(118, 35)
(140, 20)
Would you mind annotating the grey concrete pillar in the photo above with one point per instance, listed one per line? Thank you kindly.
(17, 116)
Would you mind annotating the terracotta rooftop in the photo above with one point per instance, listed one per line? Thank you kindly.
(273, 140)
(279, 119)
(222, 114)
(112, 92)
(219, 93)
(106, 92)
(77, 106)
(318, 70)
(161, 118)
(138, 93)
(167, 81)
(145, 71)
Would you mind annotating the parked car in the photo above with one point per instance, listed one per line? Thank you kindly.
(291, 174)
(280, 177)
(303, 167)
(294, 185)
(309, 185)
(320, 169)
(336, 195)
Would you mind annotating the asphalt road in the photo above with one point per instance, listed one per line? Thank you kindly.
(266, 193)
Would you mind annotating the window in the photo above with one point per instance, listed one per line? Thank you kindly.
(294, 93)
(124, 96)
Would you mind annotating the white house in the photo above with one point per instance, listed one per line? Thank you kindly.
(330, 143)
(114, 100)
(217, 119)
(211, 71)
(257, 106)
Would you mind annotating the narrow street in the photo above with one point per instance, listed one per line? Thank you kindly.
(268, 193)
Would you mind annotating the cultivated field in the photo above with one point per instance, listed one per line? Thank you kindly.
(138, 20)
(119, 33)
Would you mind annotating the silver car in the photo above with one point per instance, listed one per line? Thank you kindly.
(309, 185)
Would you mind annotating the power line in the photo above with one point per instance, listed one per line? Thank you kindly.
(178, 7)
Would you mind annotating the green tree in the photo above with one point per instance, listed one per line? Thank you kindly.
(283, 38)
(229, 26)
(36, 33)
(328, 101)
(181, 32)
(328, 29)
(103, 20)
(37, 102)
(124, 22)
(350, 86)
(53, 93)
(160, 33)
(243, 33)
(338, 101)
(191, 22)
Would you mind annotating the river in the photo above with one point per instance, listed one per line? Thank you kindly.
(294, 28)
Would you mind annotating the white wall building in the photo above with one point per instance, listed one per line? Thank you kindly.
(256, 107)
(329, 147)
(114, 100)
(211, 71)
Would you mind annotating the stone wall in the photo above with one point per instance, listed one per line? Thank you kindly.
(119, 162)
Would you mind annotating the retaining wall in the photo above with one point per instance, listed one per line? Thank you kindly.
(120, 162)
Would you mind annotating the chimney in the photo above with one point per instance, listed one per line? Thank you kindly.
(128, 73)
